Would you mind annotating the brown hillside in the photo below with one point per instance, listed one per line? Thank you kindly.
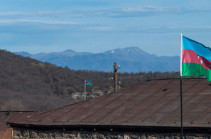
(27, 84)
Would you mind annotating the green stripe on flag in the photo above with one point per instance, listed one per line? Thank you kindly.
(193, 69)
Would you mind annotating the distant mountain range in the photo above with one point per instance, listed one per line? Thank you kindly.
(131, 59)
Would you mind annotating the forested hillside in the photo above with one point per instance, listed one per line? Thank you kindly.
(27, 84)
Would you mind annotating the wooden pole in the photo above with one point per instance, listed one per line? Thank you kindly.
(115, 77)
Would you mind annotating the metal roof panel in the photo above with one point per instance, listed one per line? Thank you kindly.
(152, 103)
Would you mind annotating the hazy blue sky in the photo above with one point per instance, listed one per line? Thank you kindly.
(99, 25)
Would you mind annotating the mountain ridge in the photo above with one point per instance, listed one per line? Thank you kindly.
(131, 59)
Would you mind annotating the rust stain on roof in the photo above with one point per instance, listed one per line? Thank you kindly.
(153, 103)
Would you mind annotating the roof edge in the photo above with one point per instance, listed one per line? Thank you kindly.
(115, 128)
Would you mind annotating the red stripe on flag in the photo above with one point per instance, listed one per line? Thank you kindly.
(189, 56)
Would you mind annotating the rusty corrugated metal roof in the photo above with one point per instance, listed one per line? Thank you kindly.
(13, 116)
(152, 103)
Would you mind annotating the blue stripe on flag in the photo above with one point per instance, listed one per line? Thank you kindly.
(199, 48)
(88, 82)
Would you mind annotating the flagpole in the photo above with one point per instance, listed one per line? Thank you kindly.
(181, 108)
(181, 103)
(85, 90)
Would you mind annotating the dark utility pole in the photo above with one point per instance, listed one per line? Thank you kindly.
(115, 76)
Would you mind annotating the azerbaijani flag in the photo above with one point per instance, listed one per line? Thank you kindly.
(195, 59)
(88, 82)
